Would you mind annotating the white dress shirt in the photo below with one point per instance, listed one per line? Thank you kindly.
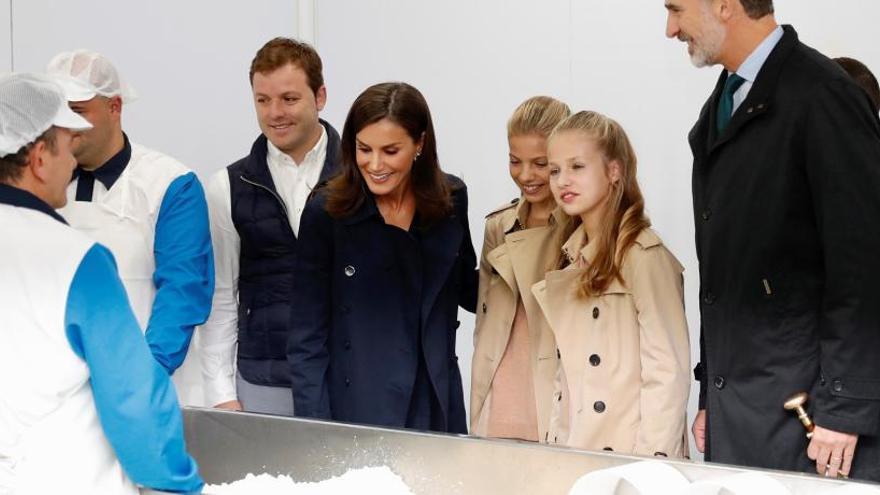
(293, 183)
(752, 66)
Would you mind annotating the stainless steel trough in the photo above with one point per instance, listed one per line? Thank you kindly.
(229, 445)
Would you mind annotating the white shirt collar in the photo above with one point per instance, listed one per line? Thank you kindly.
(279, 157)
(752, 65)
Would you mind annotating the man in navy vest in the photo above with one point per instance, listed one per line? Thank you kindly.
(255, 206)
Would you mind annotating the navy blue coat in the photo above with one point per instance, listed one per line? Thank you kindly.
(352, 353)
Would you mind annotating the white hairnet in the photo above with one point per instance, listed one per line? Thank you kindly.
(85, 74)
(30, 104)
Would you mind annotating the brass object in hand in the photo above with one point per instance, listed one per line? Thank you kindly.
(796, 403)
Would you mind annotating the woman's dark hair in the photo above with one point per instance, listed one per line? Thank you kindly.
(863, 77)
(405, 106)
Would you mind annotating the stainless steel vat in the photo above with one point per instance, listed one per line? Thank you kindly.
(229, 445)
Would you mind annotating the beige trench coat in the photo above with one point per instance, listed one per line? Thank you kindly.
(625, 358)
(512, 260)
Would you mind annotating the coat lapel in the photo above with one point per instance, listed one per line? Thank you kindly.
(500, 261)
(441, 243)
(758, 102)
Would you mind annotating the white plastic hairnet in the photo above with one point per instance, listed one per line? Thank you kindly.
(85, 74)
(30, 104)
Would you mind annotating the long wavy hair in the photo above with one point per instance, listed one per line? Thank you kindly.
(405, 106)
(625, 206)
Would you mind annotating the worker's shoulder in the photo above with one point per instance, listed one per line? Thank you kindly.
(155, 165)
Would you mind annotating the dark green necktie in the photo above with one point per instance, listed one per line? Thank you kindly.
(725, 105)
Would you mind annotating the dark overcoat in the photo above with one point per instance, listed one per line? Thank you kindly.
(787, 213)
(352, 352)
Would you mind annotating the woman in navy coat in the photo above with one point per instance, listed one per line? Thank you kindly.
(385, 260)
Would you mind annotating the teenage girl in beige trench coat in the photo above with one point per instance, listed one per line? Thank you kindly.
(514, 361)
(616, 308)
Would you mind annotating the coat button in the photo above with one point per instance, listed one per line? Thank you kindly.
(595, 313)
(599, 406)
(837, 385)
(719, 382)
(559, 397)
(707, 214)
(709, 298)
(484, 308)
(595, 360)
(558, 354)
(348, 344)
(347, 382)
(349, 271)
(660, 454)
(609, 449)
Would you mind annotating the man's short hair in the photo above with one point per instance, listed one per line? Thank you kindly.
(12, 166)
(282, 51)
(863, 77)
(757, 9)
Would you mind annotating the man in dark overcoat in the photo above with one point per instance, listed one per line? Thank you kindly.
(786, 189)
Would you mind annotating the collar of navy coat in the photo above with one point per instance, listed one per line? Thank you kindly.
(441, 242)
(704, 135)
(13, 196)
(110, 172)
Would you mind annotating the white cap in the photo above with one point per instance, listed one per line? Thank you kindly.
(85, 74)
(31, 104)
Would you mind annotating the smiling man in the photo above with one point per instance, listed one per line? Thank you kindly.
(148, 209)
(785, 179)
(255, 207)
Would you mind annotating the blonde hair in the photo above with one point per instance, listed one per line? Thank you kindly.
(625, 208)
(537, 115)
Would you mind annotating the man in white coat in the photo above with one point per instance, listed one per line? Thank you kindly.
(84, 407)
(148, 209)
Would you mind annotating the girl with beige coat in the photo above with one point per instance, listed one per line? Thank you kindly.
(514, 362)
(616, 305)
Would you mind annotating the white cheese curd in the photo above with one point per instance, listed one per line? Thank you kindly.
(378, 480)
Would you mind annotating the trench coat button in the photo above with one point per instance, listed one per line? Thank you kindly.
(347, 382)
(719, 382)
(595, 313)
(660, 454)
(558, 354)
(837, 385)
(609, 449)
(559, 397)
(484, 308)
(709, 298)
(247, 311)
(599, 406)
(751, 110)
(348, 344)
(595, 360)
(707, 214)
(349, 271)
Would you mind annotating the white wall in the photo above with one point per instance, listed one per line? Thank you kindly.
(189, 60)
(5, 37)
(473, 60)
